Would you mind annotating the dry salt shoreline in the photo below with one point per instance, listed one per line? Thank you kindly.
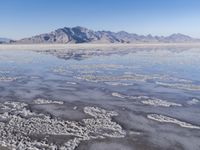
(93, 46)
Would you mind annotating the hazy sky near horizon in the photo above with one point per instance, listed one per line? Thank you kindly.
(24, 18)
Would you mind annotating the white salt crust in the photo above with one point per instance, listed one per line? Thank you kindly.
(18, 124)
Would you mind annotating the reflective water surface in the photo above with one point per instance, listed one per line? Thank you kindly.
(100, 100)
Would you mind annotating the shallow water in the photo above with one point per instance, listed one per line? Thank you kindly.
(155, 94)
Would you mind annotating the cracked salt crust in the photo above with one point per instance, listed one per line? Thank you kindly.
(166, 119)
(18, 124)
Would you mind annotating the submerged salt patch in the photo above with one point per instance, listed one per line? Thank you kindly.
(4, 71)
(58, 70)
(194, 101)
(8, 79)
(97, 66)
(147, 100)
(161, 118)
(181, 86)
(115, 94)
(159, 102)
(118, 95)
(45, 101)
(72, 83)
(118, 83)
(18, 130)
(118, 80)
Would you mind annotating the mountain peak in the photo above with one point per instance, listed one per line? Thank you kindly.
(179, 35)
(80, 34)
(80, 27)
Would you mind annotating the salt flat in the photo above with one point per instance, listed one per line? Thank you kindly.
(92, 46)
(93, 96)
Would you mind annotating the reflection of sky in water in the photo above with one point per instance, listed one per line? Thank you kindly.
(27, 63)
(181, 64)
(39, 80)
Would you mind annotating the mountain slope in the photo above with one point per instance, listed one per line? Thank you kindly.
(83, 35)
(4, 40)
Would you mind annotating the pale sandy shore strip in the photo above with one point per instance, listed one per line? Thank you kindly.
(93, 46)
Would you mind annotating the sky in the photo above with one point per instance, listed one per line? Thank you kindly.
(24, 18)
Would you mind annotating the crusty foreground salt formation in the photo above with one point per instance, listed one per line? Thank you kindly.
(147, 100)
(161, 118)
(18, 126)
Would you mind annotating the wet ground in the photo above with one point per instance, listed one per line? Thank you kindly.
(134, 99)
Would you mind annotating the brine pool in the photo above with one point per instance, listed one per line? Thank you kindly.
(134, 99)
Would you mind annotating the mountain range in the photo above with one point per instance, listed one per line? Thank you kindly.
(5, 40)
(83, 35)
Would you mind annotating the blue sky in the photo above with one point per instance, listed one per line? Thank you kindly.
(24, 18)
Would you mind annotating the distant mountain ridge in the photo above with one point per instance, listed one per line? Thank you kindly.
(5, 40)
(83, 35)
